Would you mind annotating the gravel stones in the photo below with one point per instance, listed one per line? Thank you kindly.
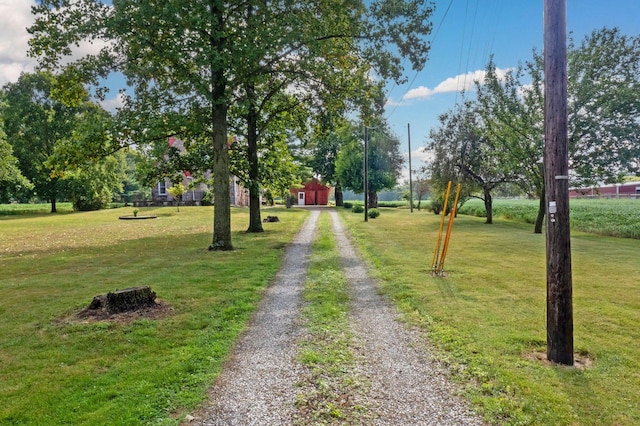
(405, 385)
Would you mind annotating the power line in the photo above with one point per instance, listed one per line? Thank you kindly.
(433, 40)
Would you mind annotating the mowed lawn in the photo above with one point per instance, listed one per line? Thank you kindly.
(487, 316)
(56, 369)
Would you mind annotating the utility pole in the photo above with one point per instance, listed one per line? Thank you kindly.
(559, 286)
(366, 175)
(410, 180)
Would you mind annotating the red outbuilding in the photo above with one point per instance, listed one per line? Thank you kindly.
(312, 194)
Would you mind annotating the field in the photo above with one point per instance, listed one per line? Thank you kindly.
(611, 217)
(56, 369)
(487, 316)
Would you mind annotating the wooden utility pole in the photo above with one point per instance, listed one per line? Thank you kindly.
(366, 175)
(559, 287)
(410, 180)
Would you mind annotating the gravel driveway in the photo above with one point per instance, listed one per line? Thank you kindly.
(258, 384)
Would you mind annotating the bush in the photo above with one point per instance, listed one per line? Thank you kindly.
(357, 208)
(373, 213)
(347, 205)
(207, 198)
(86, 204)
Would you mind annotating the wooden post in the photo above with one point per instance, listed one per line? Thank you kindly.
(410, 180)
(559, 286)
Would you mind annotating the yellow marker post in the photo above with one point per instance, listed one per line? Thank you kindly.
(436, 252)
(452, 216)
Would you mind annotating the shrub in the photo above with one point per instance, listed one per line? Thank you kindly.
(347, 205)
(357, 208)
(207, 198)
(373, 213)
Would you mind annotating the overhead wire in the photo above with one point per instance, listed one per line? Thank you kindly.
(435, 35)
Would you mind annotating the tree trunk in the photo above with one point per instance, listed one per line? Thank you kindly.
(255, 221)
(541, 212)
(222, 209)
(53, 194)
(373, 199)
(339, 196)
(488, 206)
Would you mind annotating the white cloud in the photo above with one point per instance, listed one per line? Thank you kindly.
(114, 103)
(418, 156)
(458, 83)
(15, 18)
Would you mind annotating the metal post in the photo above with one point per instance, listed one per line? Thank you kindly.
(410, 180)
(366, 174)
(559, 286)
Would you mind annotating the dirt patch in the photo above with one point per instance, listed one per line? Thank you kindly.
(581, 361)
(156, 311)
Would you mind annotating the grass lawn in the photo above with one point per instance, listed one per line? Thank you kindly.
(58, 370)
(487, 316)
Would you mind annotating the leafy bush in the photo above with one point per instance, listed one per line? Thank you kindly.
(347, 205)
(373, 213)
(357, 208)
(84, 203)
(207, 198)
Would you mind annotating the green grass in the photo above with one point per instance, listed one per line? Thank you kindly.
(327, 350)
(487, 317)
(57, 370)
(610, 217)
(42, 208)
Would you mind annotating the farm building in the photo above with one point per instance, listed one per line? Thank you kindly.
(313, 193)
(619, 190)
(239, 195)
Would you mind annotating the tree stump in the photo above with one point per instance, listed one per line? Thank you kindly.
(129, 299)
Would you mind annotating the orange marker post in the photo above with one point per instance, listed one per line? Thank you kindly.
(436, 252)
(452, 216)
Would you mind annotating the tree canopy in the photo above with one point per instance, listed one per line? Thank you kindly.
(185, 61)
(384, 161)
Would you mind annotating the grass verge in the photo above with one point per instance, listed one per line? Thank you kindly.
(58, 370)
(487, 316)
(327, 395)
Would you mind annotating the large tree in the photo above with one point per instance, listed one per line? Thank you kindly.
(384, 162)
(13, 184)
(479, 164)
(604, 106)
(185, 59)
(39, 128)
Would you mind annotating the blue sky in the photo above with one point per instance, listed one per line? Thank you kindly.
(471, 31)
(466, 33)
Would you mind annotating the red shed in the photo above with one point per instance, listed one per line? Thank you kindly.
(312, 194)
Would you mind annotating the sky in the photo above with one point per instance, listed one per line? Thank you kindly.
(466, 33)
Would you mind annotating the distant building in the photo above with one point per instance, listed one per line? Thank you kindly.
(239, 196)
(313, 193)
(619, 190)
